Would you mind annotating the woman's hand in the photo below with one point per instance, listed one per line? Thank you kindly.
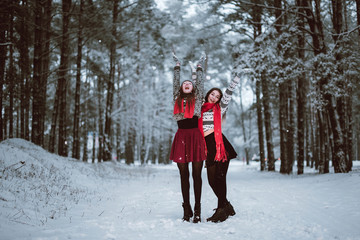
(176, 60)
(201, 60)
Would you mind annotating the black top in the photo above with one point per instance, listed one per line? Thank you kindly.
(188, 123)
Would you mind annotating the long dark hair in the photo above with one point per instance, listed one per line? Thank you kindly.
(210, 91)
(188, 96)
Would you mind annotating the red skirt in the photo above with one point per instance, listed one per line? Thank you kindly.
(188, 146)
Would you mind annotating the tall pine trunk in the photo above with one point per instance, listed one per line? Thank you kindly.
(64, 78)
(267, 121)
(337, 116)
(291, 126)
(301, 94)
(358, 14)
(10, 77)
(242, 119)
(76, 132)
(100, 119)
(4, 17)
(256, 14)
(110, 88)
(24, 63)
(283, 116)
(86, 123)
(260, 125)
(38, 106)
(118, 105)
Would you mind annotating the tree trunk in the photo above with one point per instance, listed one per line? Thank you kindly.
(283, 116)
(337, 19)
(85, 125)
(309, 128)
(76, 132)
(315, 25)
(267, 121)
(291, 127)
(340, 160)
(260, 125)
(337, 116)
(110, 88)
(256, 14)
(55, 111)
(38, 106)
(129, 147)
(94, 148)
(242, 119)
(349, 131)
(322, 153)
(45, 61)
(24, 63)
(100, 119)
(301, 94)
(64, 78)
(4, 18)
(358, 14)
(11, 79)
(118, 105)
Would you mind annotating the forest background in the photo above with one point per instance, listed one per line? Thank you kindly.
(92, 79)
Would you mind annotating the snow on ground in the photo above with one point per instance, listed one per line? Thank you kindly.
(44, 196)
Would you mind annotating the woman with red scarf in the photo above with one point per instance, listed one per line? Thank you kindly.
(219, 149)
(188, 145)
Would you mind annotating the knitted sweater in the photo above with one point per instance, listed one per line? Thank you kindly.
(199, 92)
(208, 117)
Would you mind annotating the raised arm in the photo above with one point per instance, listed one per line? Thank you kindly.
(200, 77)
(176, 79)
(225, 100)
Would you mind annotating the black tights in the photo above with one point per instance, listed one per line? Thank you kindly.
(217, 180)
(185, 183)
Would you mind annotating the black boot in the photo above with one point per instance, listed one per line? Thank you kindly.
(188, 213)
(229, 209)
(220, 215)
(197, 213)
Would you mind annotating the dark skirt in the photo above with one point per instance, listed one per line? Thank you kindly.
(211, 149)
(188, 146)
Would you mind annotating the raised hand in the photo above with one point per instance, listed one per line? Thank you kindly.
(201, 60)
(176, 59)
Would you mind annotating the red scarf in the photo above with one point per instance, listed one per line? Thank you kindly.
(221, 154)
(189, 108)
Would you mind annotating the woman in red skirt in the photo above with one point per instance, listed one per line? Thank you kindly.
(219, 149)
(189, 145)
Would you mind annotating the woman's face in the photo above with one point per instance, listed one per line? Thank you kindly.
(187, 87)
(214, 96)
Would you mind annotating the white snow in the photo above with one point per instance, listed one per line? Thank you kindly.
(51, 197)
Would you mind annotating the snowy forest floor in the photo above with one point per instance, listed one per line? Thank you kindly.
(44, 196)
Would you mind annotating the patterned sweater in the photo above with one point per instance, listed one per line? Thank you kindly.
(199, 92)
(208, 117)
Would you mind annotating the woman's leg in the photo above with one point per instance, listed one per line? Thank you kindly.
(211, 174)
(185, 184)
(220, 182)
(185, 189)
(217, 180)
(196, 174)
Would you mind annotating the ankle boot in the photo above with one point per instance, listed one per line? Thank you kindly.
(188, 213)
(229, 209)
(197, 213)
(220, 215)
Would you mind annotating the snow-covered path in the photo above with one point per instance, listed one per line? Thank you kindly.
(144, 202)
